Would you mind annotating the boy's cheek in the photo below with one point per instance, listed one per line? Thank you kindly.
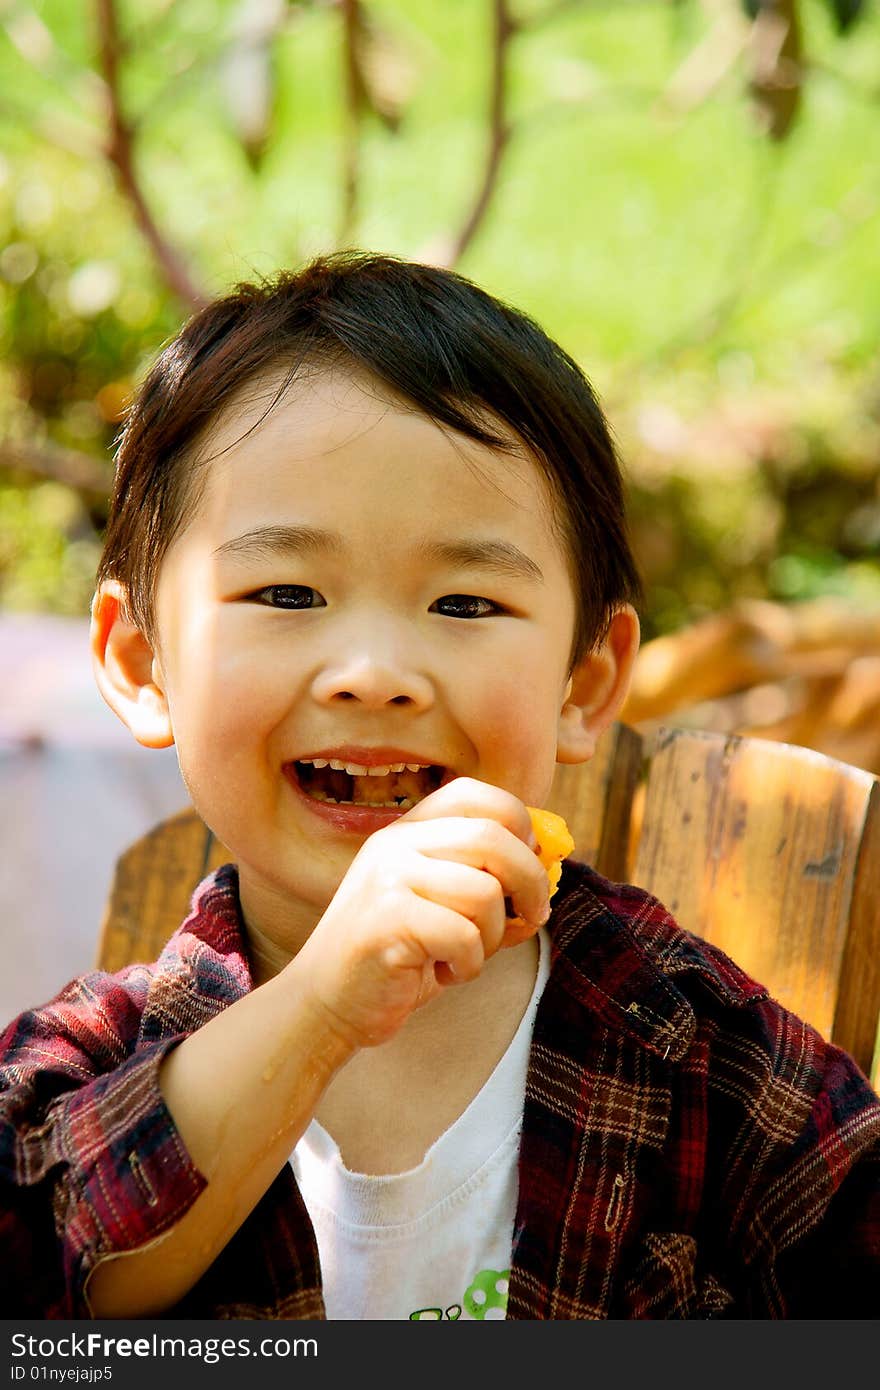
(211, 692)
(514, 704)
(517, 740)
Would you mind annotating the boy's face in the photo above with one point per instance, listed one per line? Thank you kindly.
(356, 586)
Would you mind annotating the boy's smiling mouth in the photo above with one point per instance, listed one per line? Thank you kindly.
(394, 784)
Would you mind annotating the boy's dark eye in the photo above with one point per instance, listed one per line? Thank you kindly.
(464, 606)
(289, 596)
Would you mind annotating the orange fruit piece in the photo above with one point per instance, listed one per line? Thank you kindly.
(555, 842)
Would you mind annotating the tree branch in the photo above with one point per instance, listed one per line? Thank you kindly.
(353, 105)
(777, 69)
(120, 152)
(81, 472)
(500, 130)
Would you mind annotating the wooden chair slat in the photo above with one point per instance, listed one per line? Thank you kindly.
(152, 886)
(857, 1015)
(596, 800)
(772, 852)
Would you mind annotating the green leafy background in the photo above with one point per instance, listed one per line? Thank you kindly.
(719, 286)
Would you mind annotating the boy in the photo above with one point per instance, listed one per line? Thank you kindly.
(367, 567)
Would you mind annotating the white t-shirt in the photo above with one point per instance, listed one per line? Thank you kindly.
(433, 1242)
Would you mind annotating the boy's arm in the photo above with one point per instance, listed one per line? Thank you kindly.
(95, 1159)
(421, 907)
(791, 1137)
(241, 1090)
(833, 1168)
(123, 1172)
(79, 1109)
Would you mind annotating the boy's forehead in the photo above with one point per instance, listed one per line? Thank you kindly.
(336, 454)
(338, 436)
(327, 406)
(399, 494)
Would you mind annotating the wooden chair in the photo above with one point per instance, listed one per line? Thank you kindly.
(772, 852)
(769, 850)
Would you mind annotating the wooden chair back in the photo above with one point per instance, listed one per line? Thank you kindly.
(772, 852)
(768, 850)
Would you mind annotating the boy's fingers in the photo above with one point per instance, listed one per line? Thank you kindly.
(516, 931)
(465, 796)
(448, 937)
(467, 891)
(487, 845)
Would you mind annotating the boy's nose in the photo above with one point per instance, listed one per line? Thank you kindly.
(373, 682)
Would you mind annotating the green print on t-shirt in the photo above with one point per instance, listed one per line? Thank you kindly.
(485, 1298)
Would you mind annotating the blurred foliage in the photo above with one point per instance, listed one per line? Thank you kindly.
(48, 549)
(697, 223)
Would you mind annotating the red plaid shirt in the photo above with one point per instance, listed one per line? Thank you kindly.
(689, 1148)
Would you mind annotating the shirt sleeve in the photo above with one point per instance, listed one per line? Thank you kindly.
(91, 1163)
(802, 1177)
(834, 1271)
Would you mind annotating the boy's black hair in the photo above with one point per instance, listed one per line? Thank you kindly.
(463, 358)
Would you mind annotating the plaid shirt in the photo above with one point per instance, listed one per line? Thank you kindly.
(689, 1148)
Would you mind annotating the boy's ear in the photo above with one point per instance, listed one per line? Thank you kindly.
(128, 675)
(597, 688)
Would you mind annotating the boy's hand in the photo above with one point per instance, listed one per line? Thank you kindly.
(422, 907)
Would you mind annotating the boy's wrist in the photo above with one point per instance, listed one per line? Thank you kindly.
(332, 1041)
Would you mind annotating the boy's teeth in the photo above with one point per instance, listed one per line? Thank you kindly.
(357, 770)
(397, 785)
(403, 804)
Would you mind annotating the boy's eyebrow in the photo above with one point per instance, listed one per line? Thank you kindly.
(502, 557)
(267, 541)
